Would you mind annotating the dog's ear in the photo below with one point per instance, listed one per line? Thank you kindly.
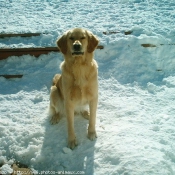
(92, 42)
(62, 43)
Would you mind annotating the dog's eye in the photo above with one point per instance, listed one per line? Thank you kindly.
(71, 38)
(83, 37)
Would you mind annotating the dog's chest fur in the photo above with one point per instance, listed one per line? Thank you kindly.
(81, 90)
(80, 73)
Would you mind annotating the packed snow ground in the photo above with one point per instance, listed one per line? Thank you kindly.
(136, 111)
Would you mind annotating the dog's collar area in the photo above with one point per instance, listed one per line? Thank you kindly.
(78, 53)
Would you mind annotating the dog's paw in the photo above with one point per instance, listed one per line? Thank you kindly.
(72, 143)
(55, 119)
(92, 135)
(85, 114)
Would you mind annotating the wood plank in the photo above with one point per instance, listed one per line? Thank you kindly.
(6, 52)
(100, 47)
(11, 76)
(152, 45)
(111, 32)
(148, 45)
(129, 32)
(4, 35)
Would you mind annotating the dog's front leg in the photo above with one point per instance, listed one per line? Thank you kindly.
(92, 119)
(69, 107)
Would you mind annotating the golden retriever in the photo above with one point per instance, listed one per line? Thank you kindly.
(77, 86)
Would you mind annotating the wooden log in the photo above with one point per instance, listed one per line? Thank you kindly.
(5, 53)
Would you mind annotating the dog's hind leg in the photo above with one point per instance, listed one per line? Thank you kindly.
(56, 105)
(55, 117)
(85, 114)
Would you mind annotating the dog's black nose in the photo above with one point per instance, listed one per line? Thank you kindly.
(77, 47)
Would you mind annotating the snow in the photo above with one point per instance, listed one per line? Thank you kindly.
(135, 118)
(6, 169)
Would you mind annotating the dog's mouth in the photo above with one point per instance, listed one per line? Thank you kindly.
(77, 53)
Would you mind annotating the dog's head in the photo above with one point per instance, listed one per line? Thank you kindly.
(77, 42)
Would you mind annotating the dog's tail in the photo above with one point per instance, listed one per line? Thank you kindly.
(55, 79)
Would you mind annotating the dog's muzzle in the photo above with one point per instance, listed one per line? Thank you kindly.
(77, 49)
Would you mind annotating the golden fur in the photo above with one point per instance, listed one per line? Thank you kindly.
(77, 86)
